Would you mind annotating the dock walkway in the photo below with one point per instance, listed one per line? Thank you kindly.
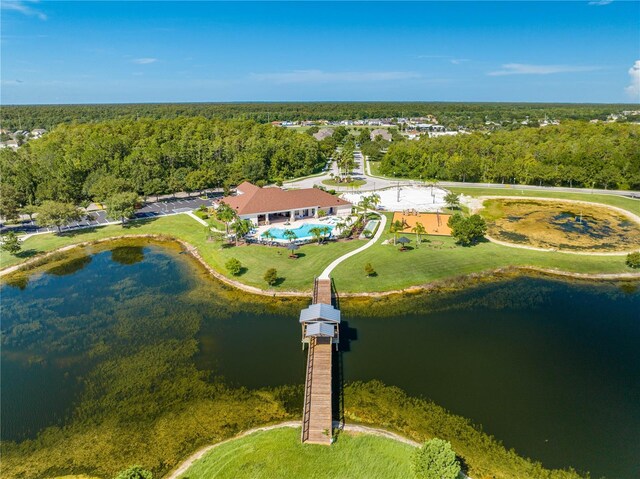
(317, 415)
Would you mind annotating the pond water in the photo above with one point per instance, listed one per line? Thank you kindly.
(549, 368)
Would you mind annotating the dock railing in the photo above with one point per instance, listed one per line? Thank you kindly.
(306, 415)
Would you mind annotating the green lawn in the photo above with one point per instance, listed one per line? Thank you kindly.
(436, 260)
(611, 200)
(442, 259)
(296, 274)
(278, 454)
(354, 183)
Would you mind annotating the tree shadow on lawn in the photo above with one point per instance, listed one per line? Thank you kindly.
(474, 243)
(242, 271)
(137, 223)
(27, 253)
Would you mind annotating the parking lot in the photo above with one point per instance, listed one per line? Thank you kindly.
(166, 206)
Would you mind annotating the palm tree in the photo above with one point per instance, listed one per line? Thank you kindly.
(374, 198)
(365, 204)
(394, 228)
(290, 235)
(241, 228)
(316, 231)
(343, 225)
(268, 235)
(226, 214)
(452, 200)
(419, 230)
(325, 230)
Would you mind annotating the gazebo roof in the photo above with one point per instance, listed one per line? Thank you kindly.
(320, 312)
(320, 329)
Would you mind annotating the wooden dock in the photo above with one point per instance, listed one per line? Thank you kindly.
(322, 291)
(317, 420)
(317, 425)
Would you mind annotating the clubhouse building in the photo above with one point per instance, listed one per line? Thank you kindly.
(271, 205)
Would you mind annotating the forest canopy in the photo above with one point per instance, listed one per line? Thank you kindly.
(452, 115)
(572, 154)
(80, 162)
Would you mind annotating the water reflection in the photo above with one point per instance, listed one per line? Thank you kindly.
(70, 267)
(127, 255)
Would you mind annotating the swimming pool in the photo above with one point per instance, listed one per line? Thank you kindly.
(302, 232)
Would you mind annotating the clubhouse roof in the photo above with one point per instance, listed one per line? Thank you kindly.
(251, 200)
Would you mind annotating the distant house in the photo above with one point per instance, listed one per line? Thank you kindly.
(38, 132)
(268, 205)
(381, 132)
(323, 133)
(9, 144)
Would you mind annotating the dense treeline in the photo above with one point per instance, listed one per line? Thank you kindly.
(571, 154)
(452, 115)
(80, 162)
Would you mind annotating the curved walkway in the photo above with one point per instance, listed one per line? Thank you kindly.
(555, 250)
(383, 224)
(196, 456)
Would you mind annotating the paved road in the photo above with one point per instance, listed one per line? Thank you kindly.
(165, 206)
(375, 182)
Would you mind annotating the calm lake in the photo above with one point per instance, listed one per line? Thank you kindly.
(550, 368)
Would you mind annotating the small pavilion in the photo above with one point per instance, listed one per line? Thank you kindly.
(320, 321)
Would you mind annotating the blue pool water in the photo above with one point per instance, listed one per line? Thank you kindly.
(302, 232)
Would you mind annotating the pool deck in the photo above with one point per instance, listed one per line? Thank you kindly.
(292, 225)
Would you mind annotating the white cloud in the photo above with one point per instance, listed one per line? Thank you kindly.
(319, 76)
(525, 69)
(22, 7)
(458, 61)
(144, 61)
(600, 3)
(633, 90)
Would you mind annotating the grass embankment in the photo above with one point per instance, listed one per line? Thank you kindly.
(441, 258)
(279, 453)
(296, 274)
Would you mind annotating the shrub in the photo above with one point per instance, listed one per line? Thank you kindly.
(368, 269)
(11, 243)
(234, 266)
(436, 460)
(469, 230)
(134, 472)
(271, 276)
(633, 259)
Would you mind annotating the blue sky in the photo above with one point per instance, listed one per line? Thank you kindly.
(111, 52)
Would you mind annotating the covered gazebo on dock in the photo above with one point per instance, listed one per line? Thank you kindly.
(320, 320)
